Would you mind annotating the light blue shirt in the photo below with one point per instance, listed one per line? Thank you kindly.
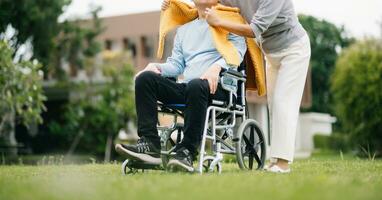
(194, 51)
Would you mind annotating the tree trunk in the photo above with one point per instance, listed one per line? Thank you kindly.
(109, 144)
(74, 145)
(8, 133)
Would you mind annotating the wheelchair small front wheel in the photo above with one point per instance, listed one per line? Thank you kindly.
(124, 167)
(250, 145)
(207, 161)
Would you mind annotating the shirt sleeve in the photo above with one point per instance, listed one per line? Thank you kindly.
(175, 64)
(265, 15)
(241, 46)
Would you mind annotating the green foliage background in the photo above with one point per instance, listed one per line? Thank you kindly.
(37, 19)
(101, 110)
(326, 41)
(52, 39)
(357, 91)
(21, 92)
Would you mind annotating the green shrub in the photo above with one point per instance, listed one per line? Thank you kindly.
(357, 91)
(21, 94)
(20, 87)
(325, 40)
(321, 141)
(336, 141)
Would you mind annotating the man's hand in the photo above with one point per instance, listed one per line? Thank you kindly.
(153, 67)
(165, 4)
(212, 17)
(212, 76)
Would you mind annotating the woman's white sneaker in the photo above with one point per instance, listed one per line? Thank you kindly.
(277, 169)
(269, 165)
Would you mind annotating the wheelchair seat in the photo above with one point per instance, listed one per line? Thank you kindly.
(182, 107)
(179, 107)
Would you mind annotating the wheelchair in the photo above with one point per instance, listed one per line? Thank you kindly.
(227, 130)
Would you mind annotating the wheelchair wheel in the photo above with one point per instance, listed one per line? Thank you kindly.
(207, 163)
(127, 169)
(124, 167)
(250, 146)
(173, 139)
(165, 158)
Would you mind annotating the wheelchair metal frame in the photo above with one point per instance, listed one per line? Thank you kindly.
(219, 145)
(220, 116)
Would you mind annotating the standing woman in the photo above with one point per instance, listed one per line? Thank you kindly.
(286, 46)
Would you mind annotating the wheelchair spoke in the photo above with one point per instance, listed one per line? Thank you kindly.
(250, 160)
(257, 159)
(247, 141)
(257, 144)
(251, 149)
(172, 141)
(246, 153)
(252, 136)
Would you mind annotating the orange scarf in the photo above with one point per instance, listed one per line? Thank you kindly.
(180, 13)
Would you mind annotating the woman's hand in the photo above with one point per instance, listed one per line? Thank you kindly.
(212, 76)
(212, 17)
(165, 4)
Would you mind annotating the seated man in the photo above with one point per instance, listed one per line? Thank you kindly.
(194, 55)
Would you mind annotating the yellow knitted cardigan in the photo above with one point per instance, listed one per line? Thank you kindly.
(180, 13)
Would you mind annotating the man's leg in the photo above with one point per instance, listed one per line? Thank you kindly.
(198, 98)
(150, 88)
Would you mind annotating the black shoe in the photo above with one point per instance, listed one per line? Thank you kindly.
(182, 160)
(144, 151)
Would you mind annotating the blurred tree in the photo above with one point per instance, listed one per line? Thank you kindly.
(91, 122)
(356, 87)
(51, 40)
(34, 27)
(20, 93)
(77, 44)
(327, 40)
(36, 19)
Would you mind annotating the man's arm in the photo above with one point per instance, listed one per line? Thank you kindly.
(174, 66)
(212, 74)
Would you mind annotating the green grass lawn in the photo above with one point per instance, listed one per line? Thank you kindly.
(315, 178)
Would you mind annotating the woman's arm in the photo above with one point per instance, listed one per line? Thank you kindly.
(262, 19)
(236, 28)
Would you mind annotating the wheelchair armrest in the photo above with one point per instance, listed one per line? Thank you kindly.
(234, 74)
(229, 81)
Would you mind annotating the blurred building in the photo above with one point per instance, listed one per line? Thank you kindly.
(138, 33)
